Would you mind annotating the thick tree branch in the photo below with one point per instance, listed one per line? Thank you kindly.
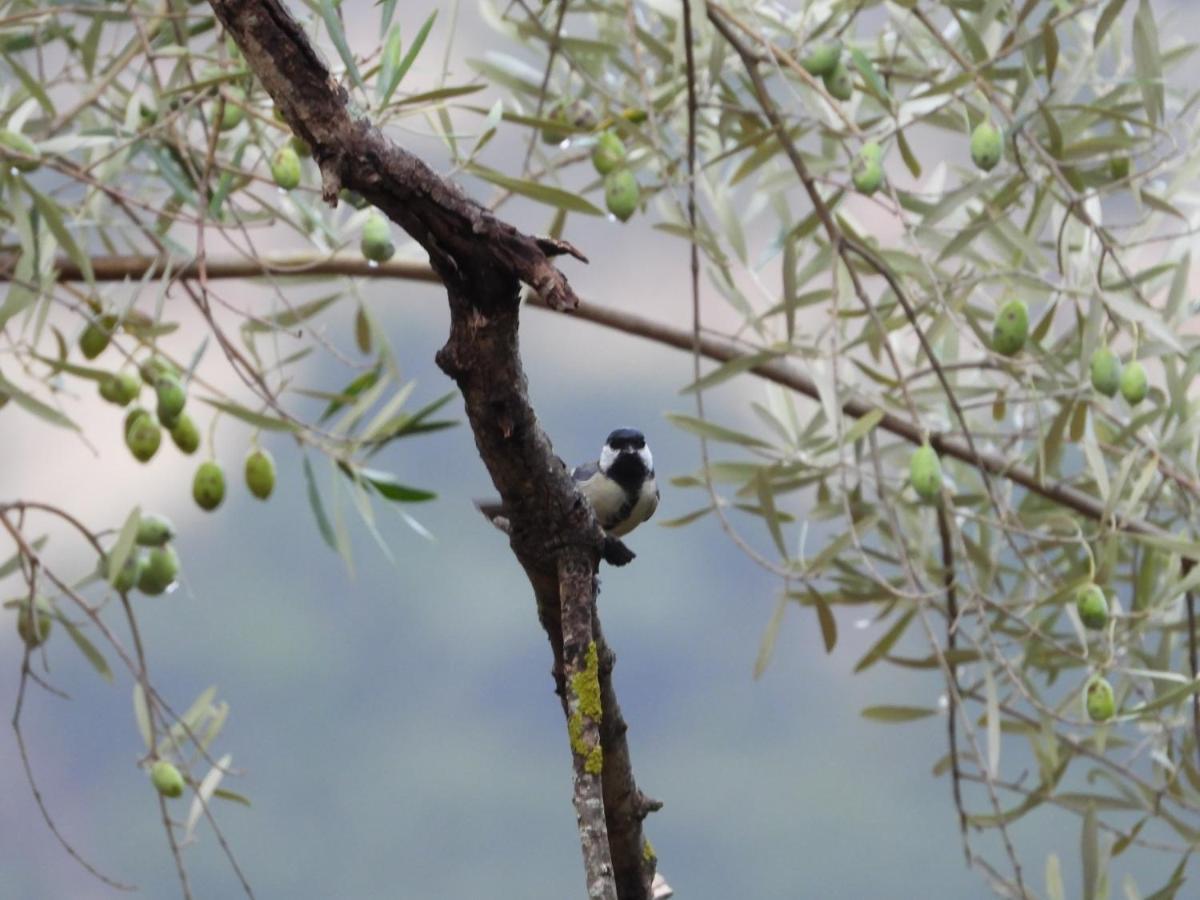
(483, 262)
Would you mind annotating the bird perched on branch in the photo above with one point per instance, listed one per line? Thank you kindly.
(620, 487)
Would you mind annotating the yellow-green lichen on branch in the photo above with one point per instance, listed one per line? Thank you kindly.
(648, 853)
(575, 733)
(594, 764)
(586, 684)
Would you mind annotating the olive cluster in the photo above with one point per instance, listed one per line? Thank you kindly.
(144, 430)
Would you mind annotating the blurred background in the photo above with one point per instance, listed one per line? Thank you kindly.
(396, 728)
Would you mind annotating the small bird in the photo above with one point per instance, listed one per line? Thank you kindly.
(619, 486)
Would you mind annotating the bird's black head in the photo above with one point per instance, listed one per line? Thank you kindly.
(626, 439)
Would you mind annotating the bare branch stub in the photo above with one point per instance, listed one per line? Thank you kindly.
(483, 262)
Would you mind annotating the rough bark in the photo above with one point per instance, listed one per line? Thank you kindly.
(483, 262)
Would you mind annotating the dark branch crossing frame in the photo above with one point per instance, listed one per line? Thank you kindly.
(483, 262)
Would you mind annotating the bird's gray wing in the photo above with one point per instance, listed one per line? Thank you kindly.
(585, 471)
(657, 497)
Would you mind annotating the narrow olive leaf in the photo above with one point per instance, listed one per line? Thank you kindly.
(389, 60)
(409, 58)
(864, 65)
(337, 35)
(14, 561)
(88, 649)
(1171, 889)
(216, 722)
(543, 193)
(706, 429)
(362, 331)
(31, 84)
(1107, 17)
(203, 795)
(1146, 61)
(906, 153)
(53, 217)
(686, 519)
(862, 427)
(826, 620)
(259, 420)
(387, 485)
(314, 501)
(33, 405)
(289, 318)
(730, 369)
(885, 643)
(992, 714)
(1090, 854)
(361, 383)
(1122, 843)
(1050, 47)
(141, 713)
(1054, 882)
(190, 721)
(767, 646)
(766, 499)
(387, 10)
(790, 288)
(232, 796)
(897, 713)
(124, 545)
(1168, 698)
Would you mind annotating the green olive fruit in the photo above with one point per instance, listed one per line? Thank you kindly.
(1011, 328)
(285, 168)
(621, 193)
(110, 389)
(609, 152)
(147, 113)
(925, 472)
(581, 115)
(208, 487)
(185, 434)
(25, 627)
(95, 337)
(554, 132)
(155, 368)
(166, 779)
(171, 399)
(131, 570)
(260, 474)
(1100, 702)
(143, 437)
(1092, 606)
(1134, 385)
(19, 151)
(132, 416)
(354, 198)
(1118, 168)
(121, 388)
(987, 148)
(1106, 371)
(154, 530)
(839, 82)
(300, 145)
(377, 243)
(234, 111)
(868, 169)
(159, 571)
(823, 58)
